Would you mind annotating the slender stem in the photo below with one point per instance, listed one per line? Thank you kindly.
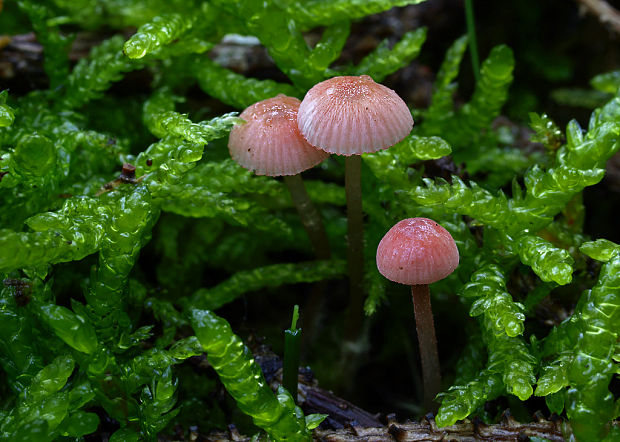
(310, 217)
(355, 249)
(315, 230)
(428, 344)
(471, 36)
(292, 339)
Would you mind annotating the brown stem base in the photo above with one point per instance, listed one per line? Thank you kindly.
(428, 344)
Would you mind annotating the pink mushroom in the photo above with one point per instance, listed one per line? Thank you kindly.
(418, 252)
(269, 143)
(353, 115)
(350, 116)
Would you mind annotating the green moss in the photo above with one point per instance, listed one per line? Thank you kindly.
(112, 339)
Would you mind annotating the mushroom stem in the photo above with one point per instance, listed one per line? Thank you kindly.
(310, 217)
(315, 229)
(428, 344)
(355, 248)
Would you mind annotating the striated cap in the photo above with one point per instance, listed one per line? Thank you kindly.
(353, 115)
(417, 251)
(270, 142)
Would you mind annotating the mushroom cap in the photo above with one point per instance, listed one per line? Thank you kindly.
(270, 142)
(417, 251)
(353, 115)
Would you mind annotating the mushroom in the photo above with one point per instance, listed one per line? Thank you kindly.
(269, 143)
(418, 252)
(350, 116)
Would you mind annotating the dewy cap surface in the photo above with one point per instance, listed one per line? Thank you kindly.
(417, 251)
(270, 142)
(353, 115)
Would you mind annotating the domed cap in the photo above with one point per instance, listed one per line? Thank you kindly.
(270, 142)
(417, 251)
(353, 115)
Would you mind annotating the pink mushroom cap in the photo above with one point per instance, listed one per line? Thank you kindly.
(417, 251)
(353, 115)
(269, 143)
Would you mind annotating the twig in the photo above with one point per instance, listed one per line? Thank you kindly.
(606, 13)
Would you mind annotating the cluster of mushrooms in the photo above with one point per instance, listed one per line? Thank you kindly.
(349, 116)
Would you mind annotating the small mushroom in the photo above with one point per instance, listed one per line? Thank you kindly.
(269, 143)
(351, 116)
(418, 252)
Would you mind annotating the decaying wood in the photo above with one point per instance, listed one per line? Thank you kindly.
(21, 58)
(340, 413)
(425, 430)
(349, 423)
